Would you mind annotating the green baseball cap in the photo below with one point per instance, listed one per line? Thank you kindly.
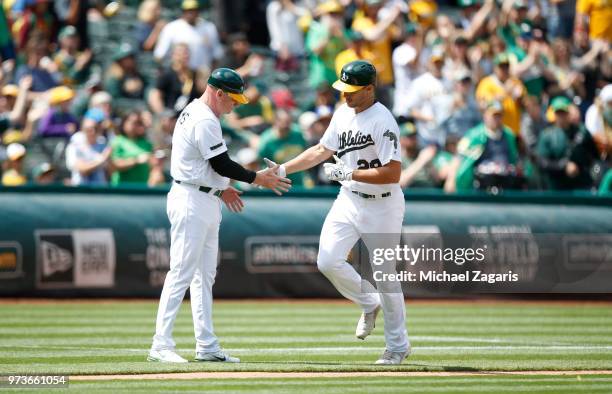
(67, 31)
(501, 58)
(230, 82)
(494, 106)
(407, 129)
(124, 50)
(355, 76)
(354, 35)
(560, 103)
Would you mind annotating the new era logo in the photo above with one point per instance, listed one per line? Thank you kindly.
(344, 77)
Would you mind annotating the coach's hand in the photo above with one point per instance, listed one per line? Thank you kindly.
(231, 198)
(269, 179)
(338, 172)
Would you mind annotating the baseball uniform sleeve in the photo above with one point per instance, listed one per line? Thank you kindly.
(330, 138)
(387, 142)
(209, 138)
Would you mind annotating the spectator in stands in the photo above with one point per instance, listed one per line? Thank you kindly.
(33, 18)
(594, 16)
(200, 35)
(532, 124)
(241, 57)
(178, 85)
(529, 59)
(380, 32)
(149, 26)
(13, 174)
(87, 154)
(464, 113)
(44, 174)
(324, 41)
(567, 77)
(357, 50)
(74, 13)
(13, 105)
(560, 19)
(425, 91)
(286, 37)
(598, 121)
(566, 150)
(410, 152)
(37, 65)
(72, 64)
(255, 116)
(488, 149)
(406, 67)
(325, 95)
(132, 152)
(501, 86)
(282, 98)
(124, 81)
(59, 121)
(282, 142)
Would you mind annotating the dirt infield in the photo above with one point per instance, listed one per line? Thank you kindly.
(289, 375)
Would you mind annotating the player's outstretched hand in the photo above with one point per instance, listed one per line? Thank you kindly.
(231, 198)
(281, 168)
(270, 179)
(338, 172)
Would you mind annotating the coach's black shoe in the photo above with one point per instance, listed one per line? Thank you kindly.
(219, 356)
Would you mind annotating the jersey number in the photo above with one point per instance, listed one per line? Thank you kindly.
(364, 165)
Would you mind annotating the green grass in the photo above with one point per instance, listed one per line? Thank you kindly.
(113, 338)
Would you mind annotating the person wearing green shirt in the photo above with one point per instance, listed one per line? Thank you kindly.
(565, 151)
(324, 41)
(131, 152)
(489, 143)
(282, 142)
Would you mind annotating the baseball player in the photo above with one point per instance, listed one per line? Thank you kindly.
(201, 169)
(363, 137)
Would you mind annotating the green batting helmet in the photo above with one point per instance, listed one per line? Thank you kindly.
(355, 76)
(230, 82)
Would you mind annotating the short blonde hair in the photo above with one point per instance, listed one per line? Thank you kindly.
(145, 11)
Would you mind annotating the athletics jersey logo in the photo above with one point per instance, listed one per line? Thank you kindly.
(347, 142)
(391, 137)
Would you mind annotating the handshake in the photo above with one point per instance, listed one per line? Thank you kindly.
(334, 172)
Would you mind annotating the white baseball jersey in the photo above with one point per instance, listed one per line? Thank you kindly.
(365, 140)
(197, 137)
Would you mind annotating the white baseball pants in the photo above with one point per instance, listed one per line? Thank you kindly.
(194, 225)
(350, 218)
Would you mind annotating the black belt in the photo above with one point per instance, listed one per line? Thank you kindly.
(363, 195)
(204, 189)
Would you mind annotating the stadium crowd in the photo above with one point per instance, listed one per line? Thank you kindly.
(493, 95)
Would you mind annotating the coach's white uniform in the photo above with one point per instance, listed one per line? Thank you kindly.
(194, 219)
(365, 140)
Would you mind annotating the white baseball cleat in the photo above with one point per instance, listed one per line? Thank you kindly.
(392, 358)
(366, 323)
(165, 356)
(219, 356)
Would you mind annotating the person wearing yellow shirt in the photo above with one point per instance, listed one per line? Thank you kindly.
(596, 15)
(379, 34)
(13, 174)
(356, 51)
(501, 86)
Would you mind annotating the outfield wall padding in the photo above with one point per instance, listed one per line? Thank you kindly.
(89, 242)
